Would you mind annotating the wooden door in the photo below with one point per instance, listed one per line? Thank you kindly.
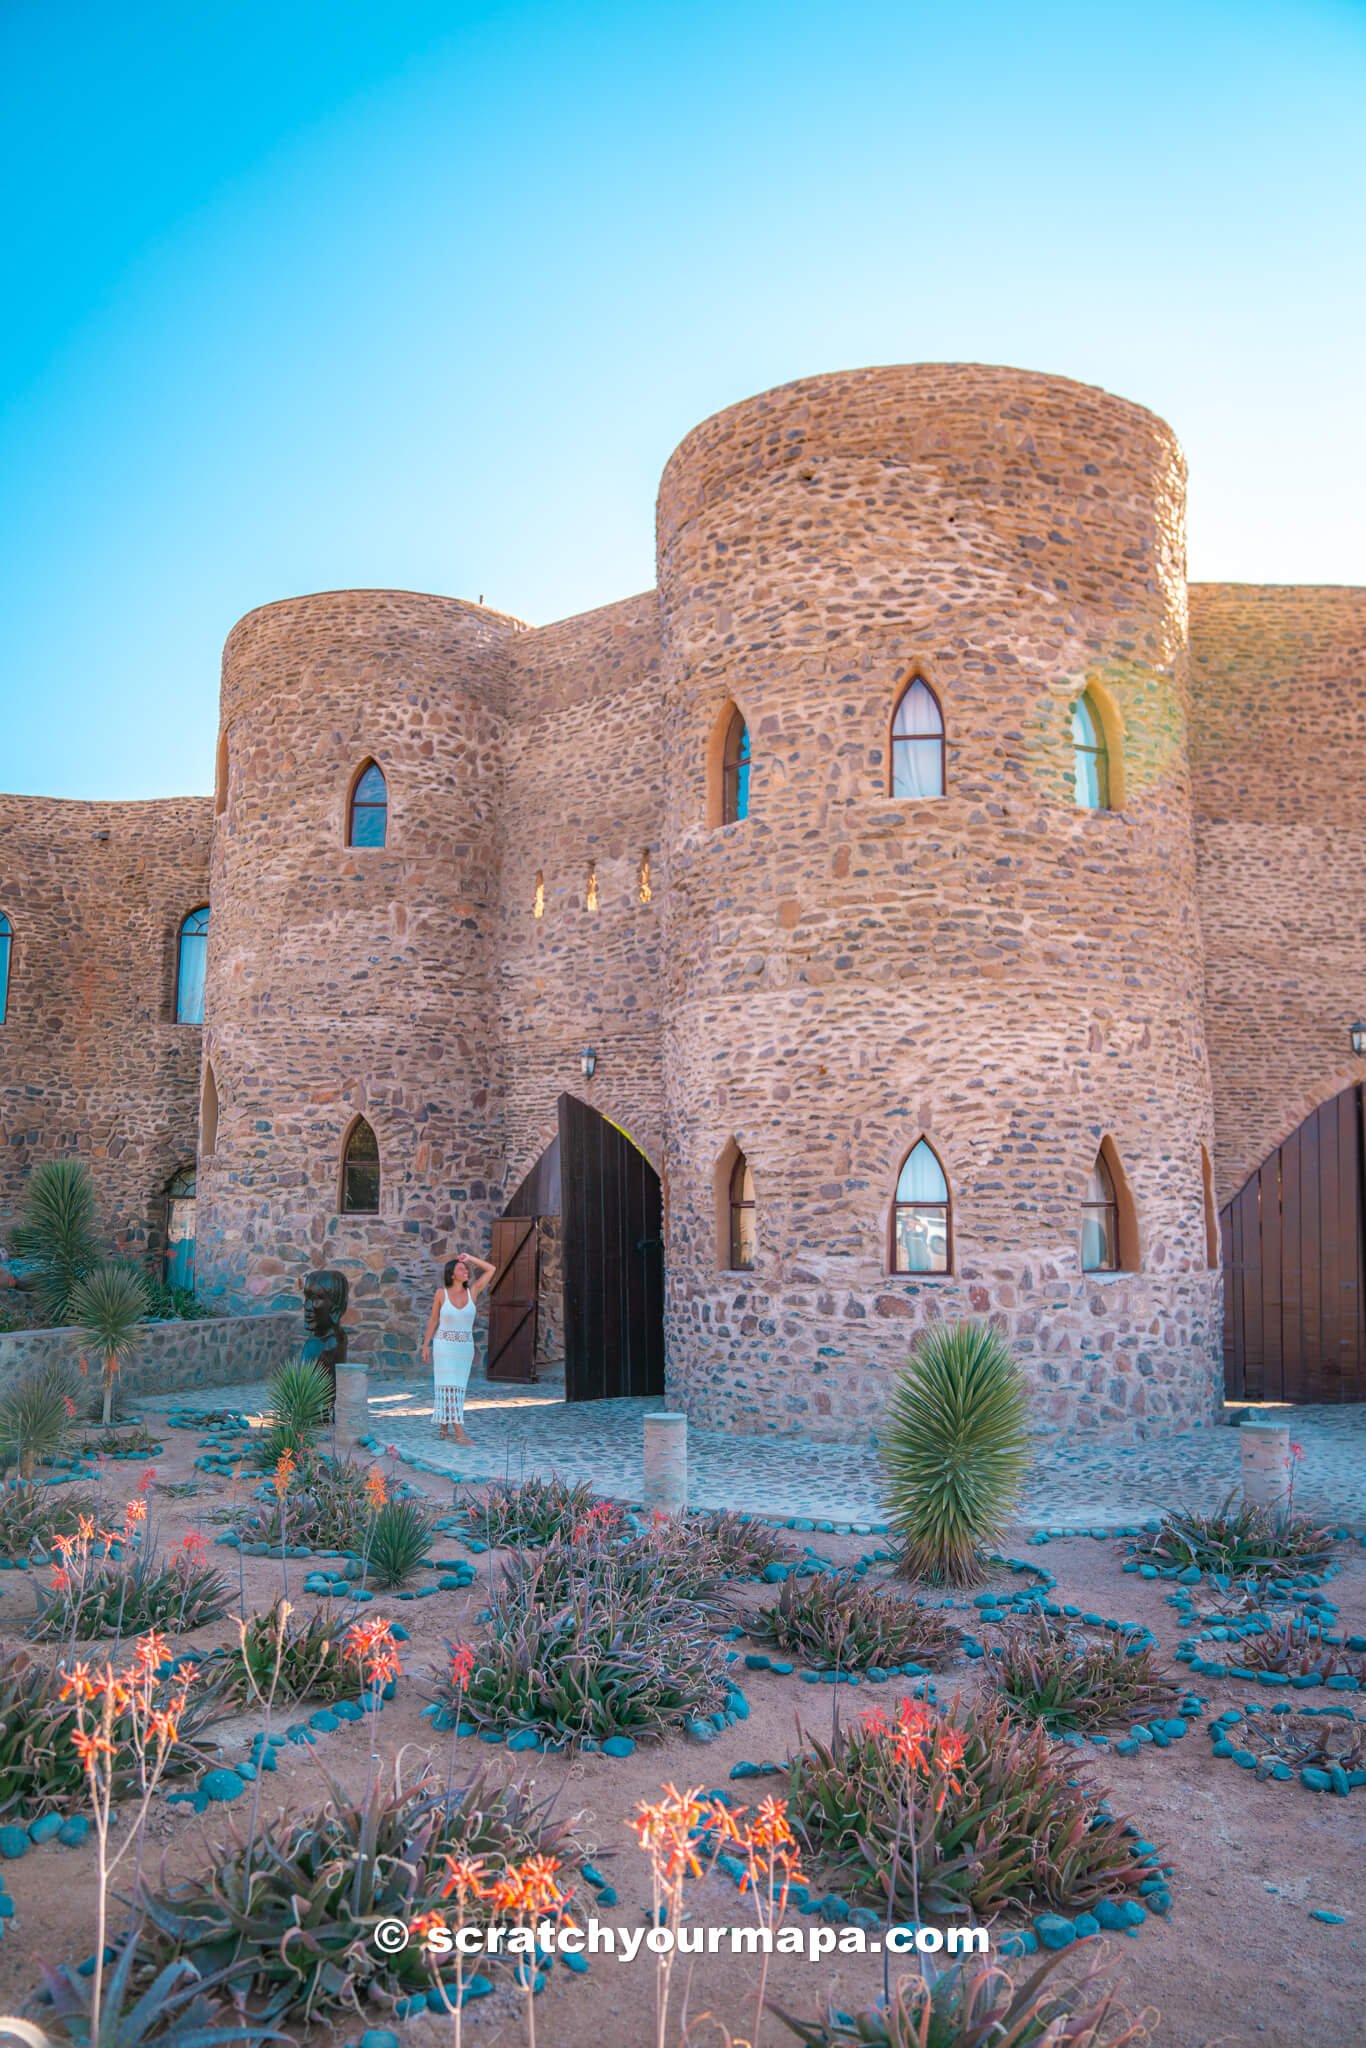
(512, 1299)
(613, 1234)
(1294, 1247)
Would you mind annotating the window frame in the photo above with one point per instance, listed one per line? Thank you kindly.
(358, 1123)
(942, 1209)
(200, 910)
(738, 1206)
(6, 961)
(355, 803)
(894, 740)
(737, 763)
(1101, 750)
(1120, 1209)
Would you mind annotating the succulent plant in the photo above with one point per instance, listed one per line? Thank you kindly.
(531, 1511)
(299, 1409)
(962, 1808)
(57, 1230)
(1238, 1540)
(398, 1541)
(36, 1414)
(976, 2006)
(954, 1450)
(329, 1507)
(285, 1655)
(33, 1517)
(128, 1591)
(1071, 1679)
(1295, 1646)
(172, 2010)
(289, 1914)
(836, 1620)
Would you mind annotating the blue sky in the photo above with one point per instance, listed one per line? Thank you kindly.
(404, 294)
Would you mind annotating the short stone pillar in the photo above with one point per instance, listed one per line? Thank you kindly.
(353, 1406)
(1265, 1448)
(666, 1462)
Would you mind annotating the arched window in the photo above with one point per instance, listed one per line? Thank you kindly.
(918, 742)
(360, 1171)
(1090, 756)
(189, 980)
(735, 772)
(6, 943)
(179, 1261)
(920, 1225)
(741, 1202)
(1109, 1225)
(208, 1115)
(369, 815)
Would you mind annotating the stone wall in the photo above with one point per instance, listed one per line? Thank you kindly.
(1001, 972)
(92, 1061)
(173, 1358)
(1279, 758)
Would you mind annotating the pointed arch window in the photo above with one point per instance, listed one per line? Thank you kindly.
(920, 1226)
(368, 822)
(208, 1114)
(735, 764)
(742, 1232)
(917, 742)
(1090, 756)
(1100, 1221)
(190, 962)
(179, 1258)
(360, 1171)
(6, 947)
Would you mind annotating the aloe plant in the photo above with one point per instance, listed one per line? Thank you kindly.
(954, 1450)
(836, 1620)
(174, 2010)
(976, 2006)
(57, 1230)
(109, 1306)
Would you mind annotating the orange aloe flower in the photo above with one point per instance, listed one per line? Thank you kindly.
(466, 1878)
(78, 1684)
(376, 1490)
(284, 1473)
(463, 1661)
(136, 1511)
(89, 1748)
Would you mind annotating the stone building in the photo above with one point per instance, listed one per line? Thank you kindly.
(959, 909)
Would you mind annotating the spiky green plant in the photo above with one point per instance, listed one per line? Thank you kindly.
(33, 1517)
(1071, 1679)
(975, 2005)
(109, 1306)
(126, 1591)
(398, 1541)
(35, 1415)
(835, 1620)
(171, 2008)
(299, 1410)
(584, 1646)
(533, 1511)
(1238, 1539)
(328, 1508)
(284, 1655)
(954, 1450)
(291, 1909)
(1296, 1646)
(57, 1230)
(941, 1810)
(166, 1303)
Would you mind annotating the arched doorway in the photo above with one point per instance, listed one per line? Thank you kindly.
(1294, 1246)
(610, 1237)
(180, 1199)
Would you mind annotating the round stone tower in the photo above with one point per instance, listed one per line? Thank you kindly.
(1013, 978)
(352, 981)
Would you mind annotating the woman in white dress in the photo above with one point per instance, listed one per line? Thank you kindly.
(448, 1346)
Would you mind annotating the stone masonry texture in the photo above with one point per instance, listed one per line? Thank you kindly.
(823, 983)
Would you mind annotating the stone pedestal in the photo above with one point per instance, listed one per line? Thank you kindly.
(353, 1412)
(666, 1462)
(1265, 1448)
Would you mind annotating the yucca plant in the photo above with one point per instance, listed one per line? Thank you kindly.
(1070, 1679)
(109, 1306)
(32, 1518)
(937, 1811)
(835, 1620)
(290, 1910)
(398, 1541)
(35, 1415)
(57, 1229)
(975, 2005)
(954, 1450)
(300, 1408)
(172, 2010)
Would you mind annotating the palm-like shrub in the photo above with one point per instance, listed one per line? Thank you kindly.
(35, 1414)
(57, 1229)
(300, 1408)
(976, 2006)
(109, 1306)
(954, 1450)
(399, 1541)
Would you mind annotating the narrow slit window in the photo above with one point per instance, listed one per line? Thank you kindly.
(920, 1230)
(360, 1171)
(1100, 1222)
(1090, 757)
(6, 945)
(742, 1233)
(538, 896)
(208, 1115)
(368, 824)
(645, 889)
(735, 767)
(918, 743)
(191, 958)
(591, 899)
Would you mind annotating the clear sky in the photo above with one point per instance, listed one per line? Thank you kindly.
(309, 296)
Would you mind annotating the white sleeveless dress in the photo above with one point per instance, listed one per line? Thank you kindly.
(452, 1358)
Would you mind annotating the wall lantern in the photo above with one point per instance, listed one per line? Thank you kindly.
(588, 1060)
(1359, 1040)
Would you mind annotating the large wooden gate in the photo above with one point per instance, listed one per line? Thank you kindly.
(513, 1300)
(1294, 1243)
(612, 1222)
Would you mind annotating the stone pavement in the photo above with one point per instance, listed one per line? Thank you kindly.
(1077, 1482)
